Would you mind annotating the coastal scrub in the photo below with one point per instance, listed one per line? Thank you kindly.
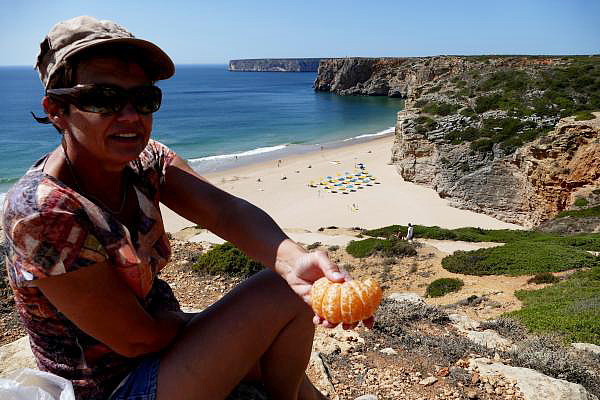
(571, 307)
(443, 286)
(227, 259)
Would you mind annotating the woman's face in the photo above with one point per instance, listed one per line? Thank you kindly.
(99, 138)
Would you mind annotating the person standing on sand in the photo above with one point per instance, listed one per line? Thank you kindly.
(410, 233)
(86, 242)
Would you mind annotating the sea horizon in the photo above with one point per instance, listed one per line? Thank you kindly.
(214, 118)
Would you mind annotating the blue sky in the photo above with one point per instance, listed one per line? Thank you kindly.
(201, 32)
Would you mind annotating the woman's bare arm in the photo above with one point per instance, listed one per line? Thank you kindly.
(97, 300)
(230, 217)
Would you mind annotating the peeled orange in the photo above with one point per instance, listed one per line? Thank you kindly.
(346, 302)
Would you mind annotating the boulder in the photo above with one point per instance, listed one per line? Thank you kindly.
(592, 348)
(407, 296)
(532, 384)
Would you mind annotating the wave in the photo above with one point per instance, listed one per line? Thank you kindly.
(253, 152)
(387, 131)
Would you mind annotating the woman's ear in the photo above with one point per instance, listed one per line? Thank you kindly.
(55, 112)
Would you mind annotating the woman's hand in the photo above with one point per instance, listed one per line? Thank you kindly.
(303, 269)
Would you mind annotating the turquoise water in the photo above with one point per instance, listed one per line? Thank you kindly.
(210, 116)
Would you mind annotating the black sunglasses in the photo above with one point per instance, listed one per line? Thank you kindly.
(109, 99)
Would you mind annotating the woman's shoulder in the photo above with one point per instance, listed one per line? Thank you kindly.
(37, 193)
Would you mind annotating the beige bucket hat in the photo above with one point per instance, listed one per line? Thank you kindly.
(71, 36)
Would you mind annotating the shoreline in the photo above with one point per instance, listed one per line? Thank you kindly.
(281, 188)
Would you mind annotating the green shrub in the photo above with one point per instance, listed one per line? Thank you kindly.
(581, 202)
(587, 212)
(364, 248)
(441, 108)
(571, 307)
(467, 234)
(483, 145)
(388, 248)
(333, 248)
(467, 112)
(313, 246)
(398, 248)
(443, 286)
(544, 277)
(584, 116)
(524, 257)
(227, 259)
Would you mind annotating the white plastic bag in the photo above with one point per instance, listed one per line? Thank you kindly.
(31, 384)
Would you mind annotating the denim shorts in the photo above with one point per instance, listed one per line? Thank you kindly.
(141, 383)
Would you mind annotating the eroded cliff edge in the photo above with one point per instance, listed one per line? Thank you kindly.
(275, 65)
(490, 134)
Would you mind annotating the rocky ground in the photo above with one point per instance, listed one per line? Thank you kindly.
(417, 350)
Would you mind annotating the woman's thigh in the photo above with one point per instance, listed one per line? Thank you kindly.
(222, 344)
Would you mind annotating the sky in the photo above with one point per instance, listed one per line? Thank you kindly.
(213, 32)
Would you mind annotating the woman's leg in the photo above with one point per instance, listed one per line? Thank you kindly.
(259, 322)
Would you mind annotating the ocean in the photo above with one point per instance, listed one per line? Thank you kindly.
(214, 118)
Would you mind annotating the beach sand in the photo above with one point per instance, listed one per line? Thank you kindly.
(300, 210)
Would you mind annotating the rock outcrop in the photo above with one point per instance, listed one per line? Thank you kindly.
(275, 65)
(482, 131)
(528, 187)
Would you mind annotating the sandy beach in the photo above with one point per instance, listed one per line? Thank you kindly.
(281, 188)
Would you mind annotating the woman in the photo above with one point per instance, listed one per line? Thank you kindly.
(86, 242)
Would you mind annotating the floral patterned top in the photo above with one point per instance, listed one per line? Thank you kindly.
(51, 229)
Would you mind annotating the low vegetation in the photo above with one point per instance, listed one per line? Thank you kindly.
(527, 257)
(581, 202)
(227, 259)
(384, 247)
(571, 307)
(586, 212)
(463, 234)
(584, 116)
(544, 277)
(528, 100)
(443, 286)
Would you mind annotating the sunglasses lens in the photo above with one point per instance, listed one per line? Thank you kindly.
(146, 99)
(102, 99)
(108, 99)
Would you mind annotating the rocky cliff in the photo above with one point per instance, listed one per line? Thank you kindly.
(482, 131)
(528, 187)
(275, 65)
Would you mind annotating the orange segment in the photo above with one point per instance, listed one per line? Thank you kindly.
(331, 303)
(316, 295)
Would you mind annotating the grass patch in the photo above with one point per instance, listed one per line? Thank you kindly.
(584, 116)
(587, 212)
(544, 277)
(443, 286)
(386, 247)
(527, 257)
(581, 202)
(440, 108)
(468, 234)
(571, 307)
(227, 259)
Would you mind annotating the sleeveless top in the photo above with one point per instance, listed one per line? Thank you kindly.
(51, 229)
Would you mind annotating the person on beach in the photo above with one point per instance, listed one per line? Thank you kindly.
(86, 241)
(410, 233)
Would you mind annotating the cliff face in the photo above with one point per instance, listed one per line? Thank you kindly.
(528, 187)
(275, 65)
(394, 77)
(482, 131)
